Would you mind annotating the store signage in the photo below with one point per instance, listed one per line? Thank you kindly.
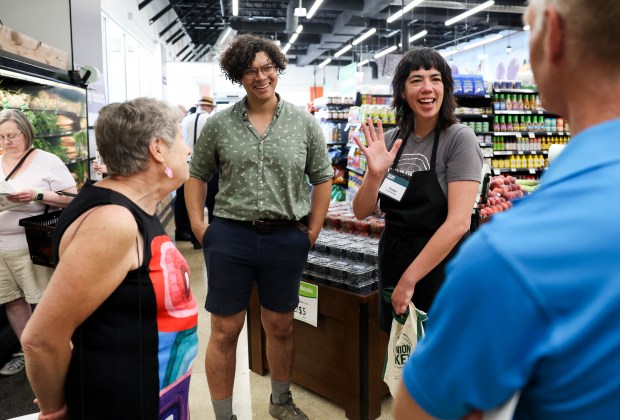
(307, 310)
(347, 80)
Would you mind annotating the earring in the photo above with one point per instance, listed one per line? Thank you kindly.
(168, 171)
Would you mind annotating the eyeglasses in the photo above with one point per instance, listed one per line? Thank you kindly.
(267, 71)
(10, 137)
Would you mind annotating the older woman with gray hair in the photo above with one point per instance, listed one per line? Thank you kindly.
(115, 334)
(31, 178)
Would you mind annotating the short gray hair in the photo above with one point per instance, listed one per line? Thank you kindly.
(124, 131)
(23, 124)
(591, 28)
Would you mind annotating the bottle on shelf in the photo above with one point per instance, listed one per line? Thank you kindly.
(522, 127)
(520, 105)
(535, 124)
(502, 102)
(526, 103)
(496, 126)
(530, 161)
(502, 123)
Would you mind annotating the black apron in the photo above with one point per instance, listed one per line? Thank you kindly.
(409, 225)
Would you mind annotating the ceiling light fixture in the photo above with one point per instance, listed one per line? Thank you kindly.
(314, 8)
(419, 35)
(404, 10)
(343, 50)
(293, 38)
(235, 7)
(449, 53)
(365, 35)
(299, 29)
(286, 48)
(326, 62)
(386, 51)
(363, 63)
(300, 11)
(482, 42)
(470, 12)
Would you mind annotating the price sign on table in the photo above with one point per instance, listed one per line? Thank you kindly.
(308, 308)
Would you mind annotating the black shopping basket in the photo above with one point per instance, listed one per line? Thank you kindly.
(39, 232)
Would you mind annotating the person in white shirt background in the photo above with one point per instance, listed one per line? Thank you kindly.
(191, 126)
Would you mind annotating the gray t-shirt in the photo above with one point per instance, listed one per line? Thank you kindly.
(459, 157)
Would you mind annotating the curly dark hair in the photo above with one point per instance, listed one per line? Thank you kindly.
(240, 54)
(414, 59)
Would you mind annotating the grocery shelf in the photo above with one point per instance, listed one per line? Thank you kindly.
(359, 171)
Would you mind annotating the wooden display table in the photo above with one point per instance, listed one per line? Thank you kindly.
(340, 359)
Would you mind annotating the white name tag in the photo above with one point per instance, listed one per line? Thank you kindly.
(394, 186)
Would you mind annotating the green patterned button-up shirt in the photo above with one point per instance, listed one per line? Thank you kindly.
(262, 178)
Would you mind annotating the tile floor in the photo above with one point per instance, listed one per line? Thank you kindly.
(251, 391)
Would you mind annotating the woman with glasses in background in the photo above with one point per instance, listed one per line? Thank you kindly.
(264, 221)
(31, 178)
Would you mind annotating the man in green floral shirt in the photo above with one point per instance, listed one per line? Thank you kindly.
(269, 153)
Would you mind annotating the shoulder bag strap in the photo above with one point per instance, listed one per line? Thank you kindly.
(196, 128)
(19, 164)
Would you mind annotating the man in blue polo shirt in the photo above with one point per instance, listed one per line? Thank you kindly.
(531, 303)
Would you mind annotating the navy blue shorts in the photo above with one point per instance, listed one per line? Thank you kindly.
(238, 256)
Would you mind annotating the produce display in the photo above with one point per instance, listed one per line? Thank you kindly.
(58, 116)
(502, 192)
(340, 217)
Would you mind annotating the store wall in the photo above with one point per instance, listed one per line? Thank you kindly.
(187, 81)
(44, 20)
(492, 61)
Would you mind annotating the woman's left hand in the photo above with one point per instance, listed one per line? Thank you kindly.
(401, 296)
(23, 196)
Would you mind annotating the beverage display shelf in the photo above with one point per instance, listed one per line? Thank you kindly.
(498, 171)
(529, 91)
(513, 112)
(474, 115)
(519, 152)
(356, 170)
(530, 133)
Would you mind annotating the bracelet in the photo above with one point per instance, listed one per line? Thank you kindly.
(39, 196)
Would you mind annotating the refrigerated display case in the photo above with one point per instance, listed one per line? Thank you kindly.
(54, 101)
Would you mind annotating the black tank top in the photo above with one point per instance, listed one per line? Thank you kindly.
(142, 339)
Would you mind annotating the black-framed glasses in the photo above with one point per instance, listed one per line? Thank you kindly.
(10, 137)
(267, 71)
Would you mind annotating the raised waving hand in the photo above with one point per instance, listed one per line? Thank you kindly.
(378, 158)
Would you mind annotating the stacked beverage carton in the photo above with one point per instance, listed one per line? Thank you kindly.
(344, 260)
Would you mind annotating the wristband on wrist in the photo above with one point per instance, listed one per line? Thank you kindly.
(39, 196)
